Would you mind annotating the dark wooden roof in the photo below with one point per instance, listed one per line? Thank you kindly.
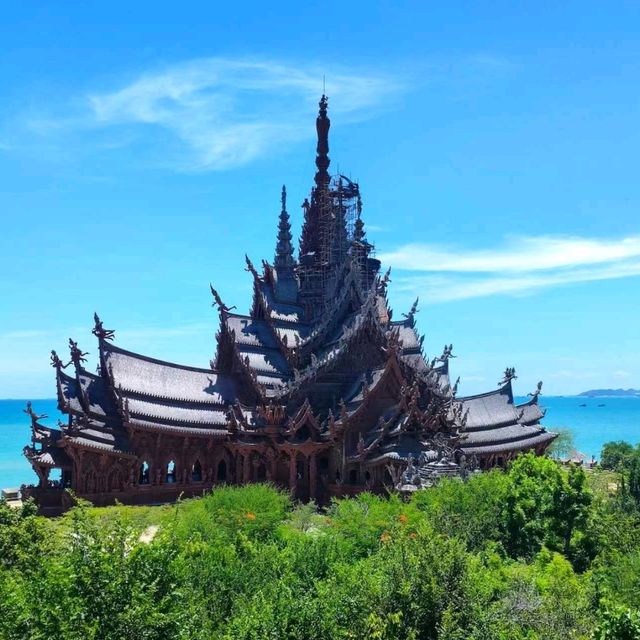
(144, 376)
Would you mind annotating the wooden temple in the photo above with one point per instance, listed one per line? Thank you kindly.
(317, 389)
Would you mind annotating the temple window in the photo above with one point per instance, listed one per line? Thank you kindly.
(144, 473)
(221, 474)
(196, 472)
(171, 473)
(353, 476)
(55, 477)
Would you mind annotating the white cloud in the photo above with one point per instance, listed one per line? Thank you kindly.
(522, 265)
(226, 112)
(621, 373)
(519, 254)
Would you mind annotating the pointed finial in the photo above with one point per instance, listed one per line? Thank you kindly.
(284, 249)
(322, 158)
(250, 268)
(508, 376)
(77, 355)
(217, 301)
(56, 363)
(99, 331)
(536, 393)
(412, 312)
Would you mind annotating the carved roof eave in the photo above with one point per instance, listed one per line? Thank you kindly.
(63, 405)
(241, 367)
(70, 443)
(330, 361)
(260, 301)
(335, 314)
(393, 371)
(304, 416)
(428, 378)
(309, 445)
(221, 434)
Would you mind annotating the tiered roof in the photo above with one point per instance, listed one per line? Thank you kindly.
(318, 348)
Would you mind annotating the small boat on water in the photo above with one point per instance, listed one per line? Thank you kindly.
(582, 405)
(602, 405)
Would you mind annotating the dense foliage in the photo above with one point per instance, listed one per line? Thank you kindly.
(536, 552)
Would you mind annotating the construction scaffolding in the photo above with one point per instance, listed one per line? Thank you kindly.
(335, 209)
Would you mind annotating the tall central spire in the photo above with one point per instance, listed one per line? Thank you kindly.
(322, 158)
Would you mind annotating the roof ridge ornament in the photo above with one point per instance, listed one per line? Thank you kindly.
(383, 282)
(217, 301)
(447, 353)
(77, 355)
(536, 393)
(251, 268)
(99, 331)
(412, 312)
(56, 363)
(509, 375)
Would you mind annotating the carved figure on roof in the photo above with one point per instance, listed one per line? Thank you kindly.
(537, 392)
(77, 355)
(217, 301)
(384, 281)
(99, 331)
(56, 363)
(412, 312)
(447, 353)
(509, 375)
(33, 415)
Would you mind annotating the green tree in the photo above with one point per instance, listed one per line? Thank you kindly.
(563, 445)
(634, 477)
(616, 456)
(546, 505)
(617, 623)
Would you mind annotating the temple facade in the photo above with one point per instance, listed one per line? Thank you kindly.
(318, 389)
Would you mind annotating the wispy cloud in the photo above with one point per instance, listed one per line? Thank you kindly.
(521, 265)
(220, 113)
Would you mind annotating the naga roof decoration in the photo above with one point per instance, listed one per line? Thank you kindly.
(317, 388)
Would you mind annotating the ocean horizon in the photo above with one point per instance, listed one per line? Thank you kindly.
(600, 420)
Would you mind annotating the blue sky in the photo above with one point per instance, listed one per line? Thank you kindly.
(143, 147)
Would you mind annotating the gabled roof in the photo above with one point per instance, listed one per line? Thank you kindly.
(94, 390)
(490, 409)
(145, 376)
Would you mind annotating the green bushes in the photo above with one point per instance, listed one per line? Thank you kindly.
(526, 554)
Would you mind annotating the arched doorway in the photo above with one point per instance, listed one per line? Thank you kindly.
(221, 472)
(143, 476)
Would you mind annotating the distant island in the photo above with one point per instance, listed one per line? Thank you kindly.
(601, 393)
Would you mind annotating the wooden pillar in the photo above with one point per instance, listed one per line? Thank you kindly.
(245, 467)
(313, 472)
(238, 469)
(293, 472)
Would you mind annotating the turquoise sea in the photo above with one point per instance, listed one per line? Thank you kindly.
(592, 425)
